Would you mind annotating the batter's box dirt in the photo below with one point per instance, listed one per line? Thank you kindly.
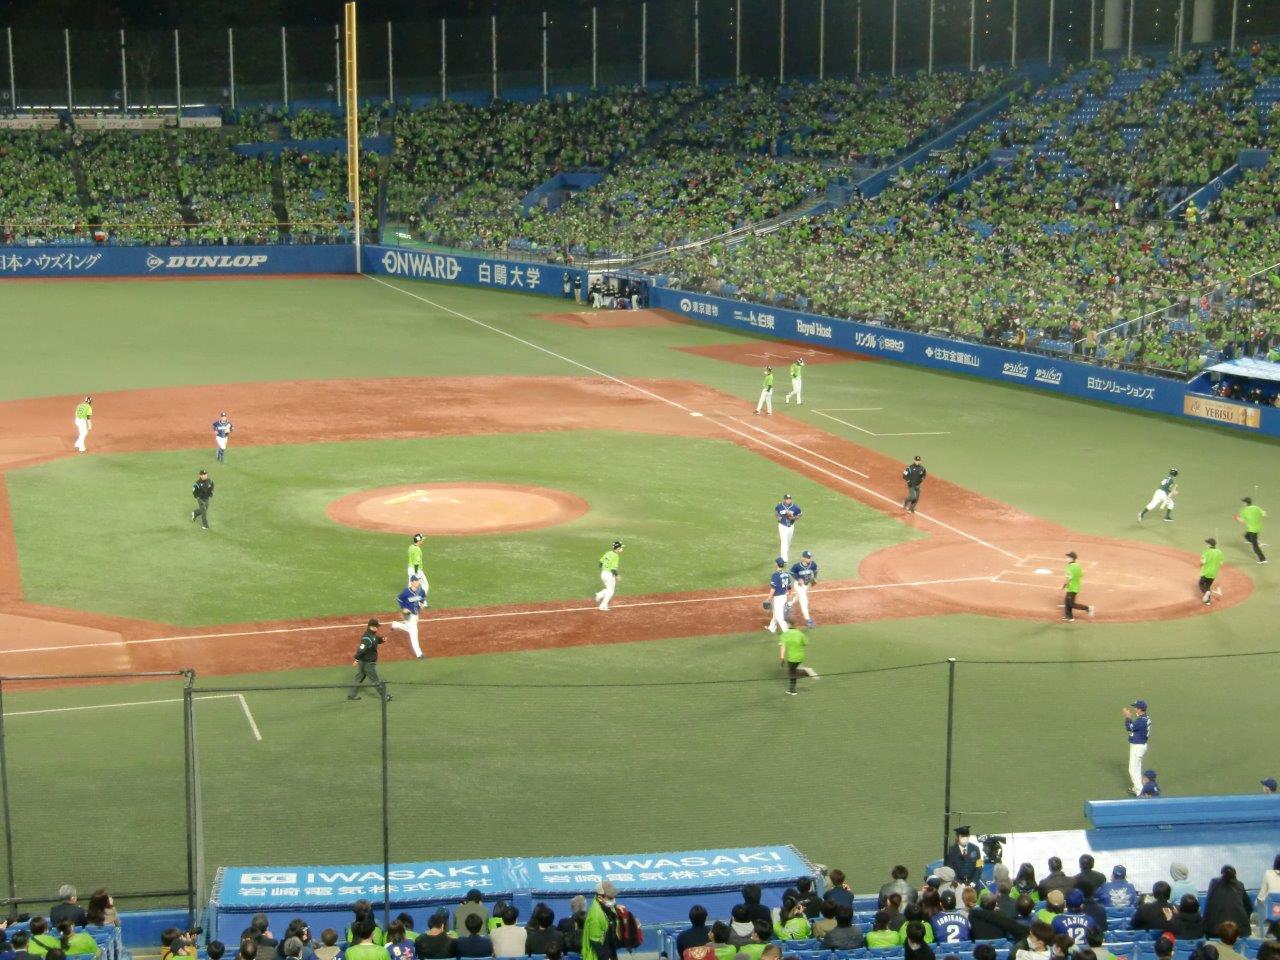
(759, 354)
(613, 319)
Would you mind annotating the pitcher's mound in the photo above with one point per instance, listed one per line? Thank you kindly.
(456, 509)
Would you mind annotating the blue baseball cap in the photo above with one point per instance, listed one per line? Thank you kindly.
(1075, 898)
(807, 555)
(1149, 774)
(1269, 783)
(1118, 872)
(780, 562)
(1140, 704)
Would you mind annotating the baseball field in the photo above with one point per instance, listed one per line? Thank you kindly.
(522, 435)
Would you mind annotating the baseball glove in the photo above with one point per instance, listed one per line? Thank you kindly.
(767, 604)
(786, 612)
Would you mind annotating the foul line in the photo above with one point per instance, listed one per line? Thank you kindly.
(469, 616)
(244, 705)
(872, 433)
(672, 403)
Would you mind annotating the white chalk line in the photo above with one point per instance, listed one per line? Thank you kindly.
(244, 705)
(493, 615)
(791, 443)
(872, 433)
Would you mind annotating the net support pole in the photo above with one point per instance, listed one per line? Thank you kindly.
(893, 43)
(782, 41)
(857, 48)
(1013, 37)
(932, 4)
(1131, 16)
(595, 59)
(177, 75)
(1093, 26)
(822, 39)
(951, 716)
(66, 51)
(1182, 14)
(284, 65)
(1049, 56)
(737, 42)
(973, 33)
(124, 77)
(188, 734)
(231, 63)
(546, 90)
(391, 65)
(697, 45)
(13, 86)
(386, 812)
(353, 123)
(1235, 12)
(8, 813)
(493, 54)
(644, 44)
(444, 61)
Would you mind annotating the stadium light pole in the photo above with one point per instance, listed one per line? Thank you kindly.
(66, 47)
(124, 77)
(231, 63)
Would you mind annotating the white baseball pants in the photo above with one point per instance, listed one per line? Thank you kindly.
(795, 390)
(610, 584)
(82, 425)
(1137, 751)
(778, 621)
(221, 441)
(802, 597)
(785, 533)
(765, 401)
(1160, 501)
(410, 626)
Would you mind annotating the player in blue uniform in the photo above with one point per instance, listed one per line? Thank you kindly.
(1074, 922)
(951, 925)
(221, 431)
(411, 600)
(779, 593)
(1149, 786)
(1137, 725)
(804, 575)
(1118, 893)
(787, 513)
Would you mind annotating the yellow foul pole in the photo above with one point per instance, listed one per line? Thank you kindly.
(351, 84)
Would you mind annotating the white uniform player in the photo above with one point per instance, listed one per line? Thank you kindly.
(411, 599)
(804, 575)
(1162, 499)
(797, 372)
(84, 422)
(786, 513)
(779, 594)
(609, 575)
(221, 431)
(765, 402)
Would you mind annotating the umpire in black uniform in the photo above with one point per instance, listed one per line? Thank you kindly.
(366, 660)
(914, 475)
(202, 490)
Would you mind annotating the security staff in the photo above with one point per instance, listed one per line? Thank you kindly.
(1251, 516)
(964, 857)
(366, 660)
(202, 490)
(913, 475)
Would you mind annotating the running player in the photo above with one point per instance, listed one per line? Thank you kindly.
(1072, 587)
(1210, 564)
(791, 654)
(787, 513)
(1251, 516)
(804, 575)
(221, 431)
(411, 600)
(779, 593)
(1163, 497)
(609, 575)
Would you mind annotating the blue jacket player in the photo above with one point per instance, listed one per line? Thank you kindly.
(786, 513)
(221, 431)
(1137, 725)
(411, 600)
(779, 593)
(803, 576)
(951, 925)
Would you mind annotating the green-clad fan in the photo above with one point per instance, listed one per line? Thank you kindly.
(791, 653)
(598, 922)
(609, 575)
(1210, 564)
(1251, 516)
(797, 371)
(84, 421)
(1075, 573)
(766, 393)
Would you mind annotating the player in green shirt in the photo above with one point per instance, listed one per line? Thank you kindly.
(797, 371)
(1210, 564)
(414, 569)
(609, 575)
(84, 421)
(1072, 587)
(766, 393)
(791, 651)
(1251, 516)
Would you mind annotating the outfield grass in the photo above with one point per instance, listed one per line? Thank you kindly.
(673, 743)
(269, 524)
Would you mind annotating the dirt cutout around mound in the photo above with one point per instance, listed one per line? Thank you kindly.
(977, 555)
(761, 354)
(613, 319)
(456, 509)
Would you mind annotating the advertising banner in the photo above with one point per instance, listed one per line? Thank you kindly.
(107, 261)
(474, 271)
(1220, 411)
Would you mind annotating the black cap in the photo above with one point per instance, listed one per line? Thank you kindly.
(1247, 500)
(1211, 541)
(963, 831)
(617, 544)
(375, 622)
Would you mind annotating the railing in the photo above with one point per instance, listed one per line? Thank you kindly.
(160, 233)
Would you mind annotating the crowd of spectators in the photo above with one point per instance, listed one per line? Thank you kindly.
(228, 195)
(38, 200)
